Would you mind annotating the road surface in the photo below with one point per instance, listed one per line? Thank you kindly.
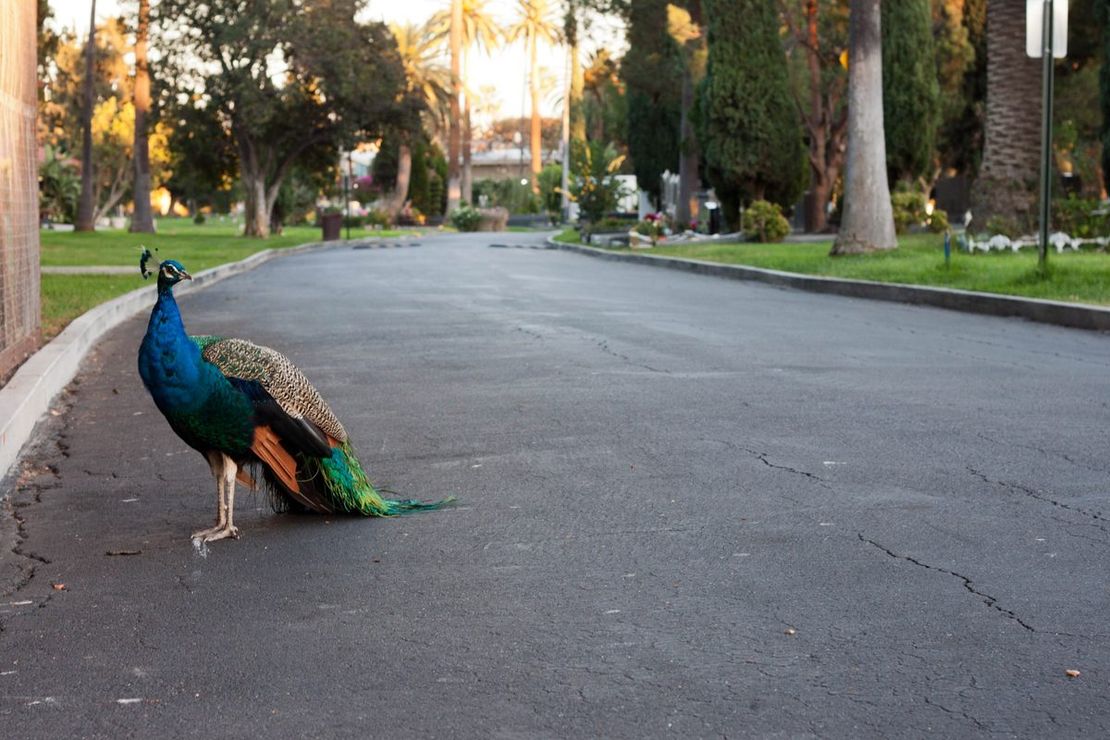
(687, 507)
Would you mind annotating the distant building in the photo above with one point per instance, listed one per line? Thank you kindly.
(503, 164)
(19, 192)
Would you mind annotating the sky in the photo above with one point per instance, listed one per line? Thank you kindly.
(502, 76)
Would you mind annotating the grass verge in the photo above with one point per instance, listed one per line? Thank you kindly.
(1077, 277)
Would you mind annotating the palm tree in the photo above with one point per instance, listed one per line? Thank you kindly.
(868, 222)
(455, 35)
(1012, 141)
(425, 76)
(142, 220)
(429, 82)
(533, 25)
(479, 30)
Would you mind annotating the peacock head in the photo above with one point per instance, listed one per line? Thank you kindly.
(170, 273)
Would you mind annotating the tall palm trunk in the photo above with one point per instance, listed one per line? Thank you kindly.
(1006, 186)
(467, 135)
(142, 220)
(868, 222)
(453, 132)
(86, 207)
(537, 139)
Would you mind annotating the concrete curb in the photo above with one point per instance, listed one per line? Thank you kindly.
(1074, 315)
(32, 389)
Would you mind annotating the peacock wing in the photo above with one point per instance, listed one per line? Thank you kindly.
(276, 375)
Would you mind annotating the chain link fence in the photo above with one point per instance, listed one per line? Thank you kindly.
(19, 195)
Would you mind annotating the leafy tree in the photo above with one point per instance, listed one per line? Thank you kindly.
(551, 195)
(59, 186)
(817, 44)
(203, 158)
(112, 125)
(652, 70)
(868, 222)
(113, 132)
(86, 220)
(595, 188)
(604, 103)
(911, 94)
(289, 79)
(749, 127)
(961, 57)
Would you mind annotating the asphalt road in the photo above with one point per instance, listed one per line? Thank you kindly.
(688, 507)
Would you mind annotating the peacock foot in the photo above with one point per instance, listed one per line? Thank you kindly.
(216, 533)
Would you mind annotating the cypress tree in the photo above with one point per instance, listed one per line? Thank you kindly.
(749, 127)
(652, 72)
(911, 93)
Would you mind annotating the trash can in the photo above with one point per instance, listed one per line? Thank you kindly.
(714, 217)
(332, 224)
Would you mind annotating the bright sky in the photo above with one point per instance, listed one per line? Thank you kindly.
(503, 75)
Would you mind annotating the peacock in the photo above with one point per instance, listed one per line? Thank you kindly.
(248, 408)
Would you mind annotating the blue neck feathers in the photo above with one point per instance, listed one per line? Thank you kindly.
(169, 362)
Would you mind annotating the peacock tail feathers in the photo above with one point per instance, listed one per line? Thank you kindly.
(345, 486)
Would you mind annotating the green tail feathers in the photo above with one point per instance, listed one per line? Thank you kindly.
(347, 488)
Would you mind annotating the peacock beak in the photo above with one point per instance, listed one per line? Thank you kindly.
(186, 275)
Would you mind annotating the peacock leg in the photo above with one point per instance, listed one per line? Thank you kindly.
(216, 462)
(228, 469)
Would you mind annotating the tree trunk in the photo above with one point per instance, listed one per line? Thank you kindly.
(257, 214)
(577, 88)
(142, 220)
(686, 210)
(467, 185)
(396, 200)
(453, 134)
(86, 207)
(537, 131)
(868, 222)
(1007, 183)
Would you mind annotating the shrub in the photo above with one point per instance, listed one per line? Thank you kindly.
(595, 187)
(938, 222)
(909, 209)
(653, 226)
(1004, 226)
(199, 218)
(466, 218)
(551, 182)
(378, 219)
(1080, 217)
(764, 222)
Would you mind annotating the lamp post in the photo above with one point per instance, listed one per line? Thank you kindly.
(1046, 37)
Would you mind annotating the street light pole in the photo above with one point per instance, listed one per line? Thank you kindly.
(1046, 132)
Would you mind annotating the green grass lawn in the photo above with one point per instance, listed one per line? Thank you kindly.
(65, 297)
(1082, 277)
(197, 246)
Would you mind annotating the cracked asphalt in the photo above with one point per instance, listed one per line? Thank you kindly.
(687, 507)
